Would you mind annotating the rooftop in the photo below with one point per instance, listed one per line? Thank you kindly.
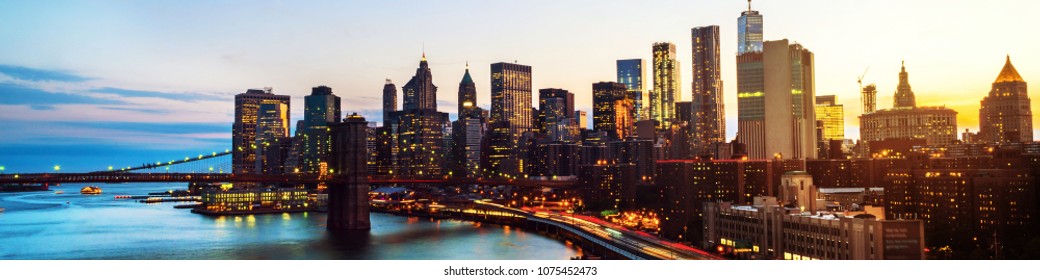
(1008, 74)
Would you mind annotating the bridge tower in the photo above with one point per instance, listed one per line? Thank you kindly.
(348, 192)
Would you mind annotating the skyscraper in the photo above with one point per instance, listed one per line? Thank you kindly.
(243, 132)
(666, 85)
(750, 84)
(420, 131)
(749, 31)
(468, 129)
(833, 116)
(1006, 116)
(320, 108)
(906, 121)
(790, 118)
(630, 72)
(272, 138)
(554, 105)
(389, 101)
(510, 113)
(611, 109)
(419, 92)
(709, 114)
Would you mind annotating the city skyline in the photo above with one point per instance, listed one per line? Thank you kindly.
(106, 101)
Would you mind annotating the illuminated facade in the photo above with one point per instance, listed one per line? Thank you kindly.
(272, 138)
(1006, 116)
(666, 85)
(630, 72)
(320, 108)
(936, 125)
(708, 122)
(612, 110)
(243, 133)
(219, 201)
(511, 115)
(833, 116)
(554, 105)
(420, 127)
(468, 129)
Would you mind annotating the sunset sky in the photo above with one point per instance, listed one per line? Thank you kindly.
(88, 84)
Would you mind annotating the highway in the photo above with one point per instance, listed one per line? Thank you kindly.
(632, 241)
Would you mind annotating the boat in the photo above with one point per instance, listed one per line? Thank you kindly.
(59, 192)
(90, 190)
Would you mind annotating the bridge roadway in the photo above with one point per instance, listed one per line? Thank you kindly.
(124, 177)
(628, 243)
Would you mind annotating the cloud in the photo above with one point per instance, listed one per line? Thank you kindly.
(31, 74)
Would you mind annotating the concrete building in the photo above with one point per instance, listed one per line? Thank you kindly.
(906, 121)
(767, 230)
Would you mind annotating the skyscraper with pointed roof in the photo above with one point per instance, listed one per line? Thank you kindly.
(420, 127)
(1006, 115)
(904, 95)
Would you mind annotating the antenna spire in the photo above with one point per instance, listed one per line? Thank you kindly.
(424, 51)
(749, 6)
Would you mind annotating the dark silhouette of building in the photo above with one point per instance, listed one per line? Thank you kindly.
(320, 108)
(389, 101)
(612, 110)
(348, 198)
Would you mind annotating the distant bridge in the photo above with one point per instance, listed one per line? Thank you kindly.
(127, 177)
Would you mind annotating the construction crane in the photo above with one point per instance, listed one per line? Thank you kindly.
(868, 95)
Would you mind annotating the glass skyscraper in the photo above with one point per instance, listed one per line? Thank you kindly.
(511, 116)
(320, 108)
(630, 72)
(709, 115)
(749, 31)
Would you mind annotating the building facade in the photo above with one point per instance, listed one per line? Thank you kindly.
(320, 108)
(243, 132)
(511, 115)
(630, 72)
(1006, 115)
(666, 85)
(935, 125)
(708, 125)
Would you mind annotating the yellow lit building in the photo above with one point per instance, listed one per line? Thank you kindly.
(832, 115)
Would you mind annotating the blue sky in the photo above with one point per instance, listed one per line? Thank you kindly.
(86, 83)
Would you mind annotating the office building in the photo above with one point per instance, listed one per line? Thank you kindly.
(749, 32)
(1006, 116)
(511, 115)
(832, 115)
(243, 134)
(389, 101)
(612, 110)
(630, 72)
(906, 121)
(666, 84)
(420, 127)
(320, 108)
(751, 126)
(272, 138)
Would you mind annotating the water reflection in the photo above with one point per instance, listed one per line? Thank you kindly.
(42, 226)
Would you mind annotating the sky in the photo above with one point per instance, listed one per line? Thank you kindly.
(88, 84)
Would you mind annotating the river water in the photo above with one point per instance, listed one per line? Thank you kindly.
(45, 225)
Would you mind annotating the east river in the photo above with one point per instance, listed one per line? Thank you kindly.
(45, 225)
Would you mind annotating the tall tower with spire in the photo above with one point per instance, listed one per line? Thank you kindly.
(419, 92)
(904, 95)
(1006, 115)
(467, 94)
(751, 87)
(420, 127)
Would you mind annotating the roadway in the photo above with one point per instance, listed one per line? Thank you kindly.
(647, 246)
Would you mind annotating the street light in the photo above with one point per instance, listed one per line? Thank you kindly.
(2, 169)
(57, 168)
